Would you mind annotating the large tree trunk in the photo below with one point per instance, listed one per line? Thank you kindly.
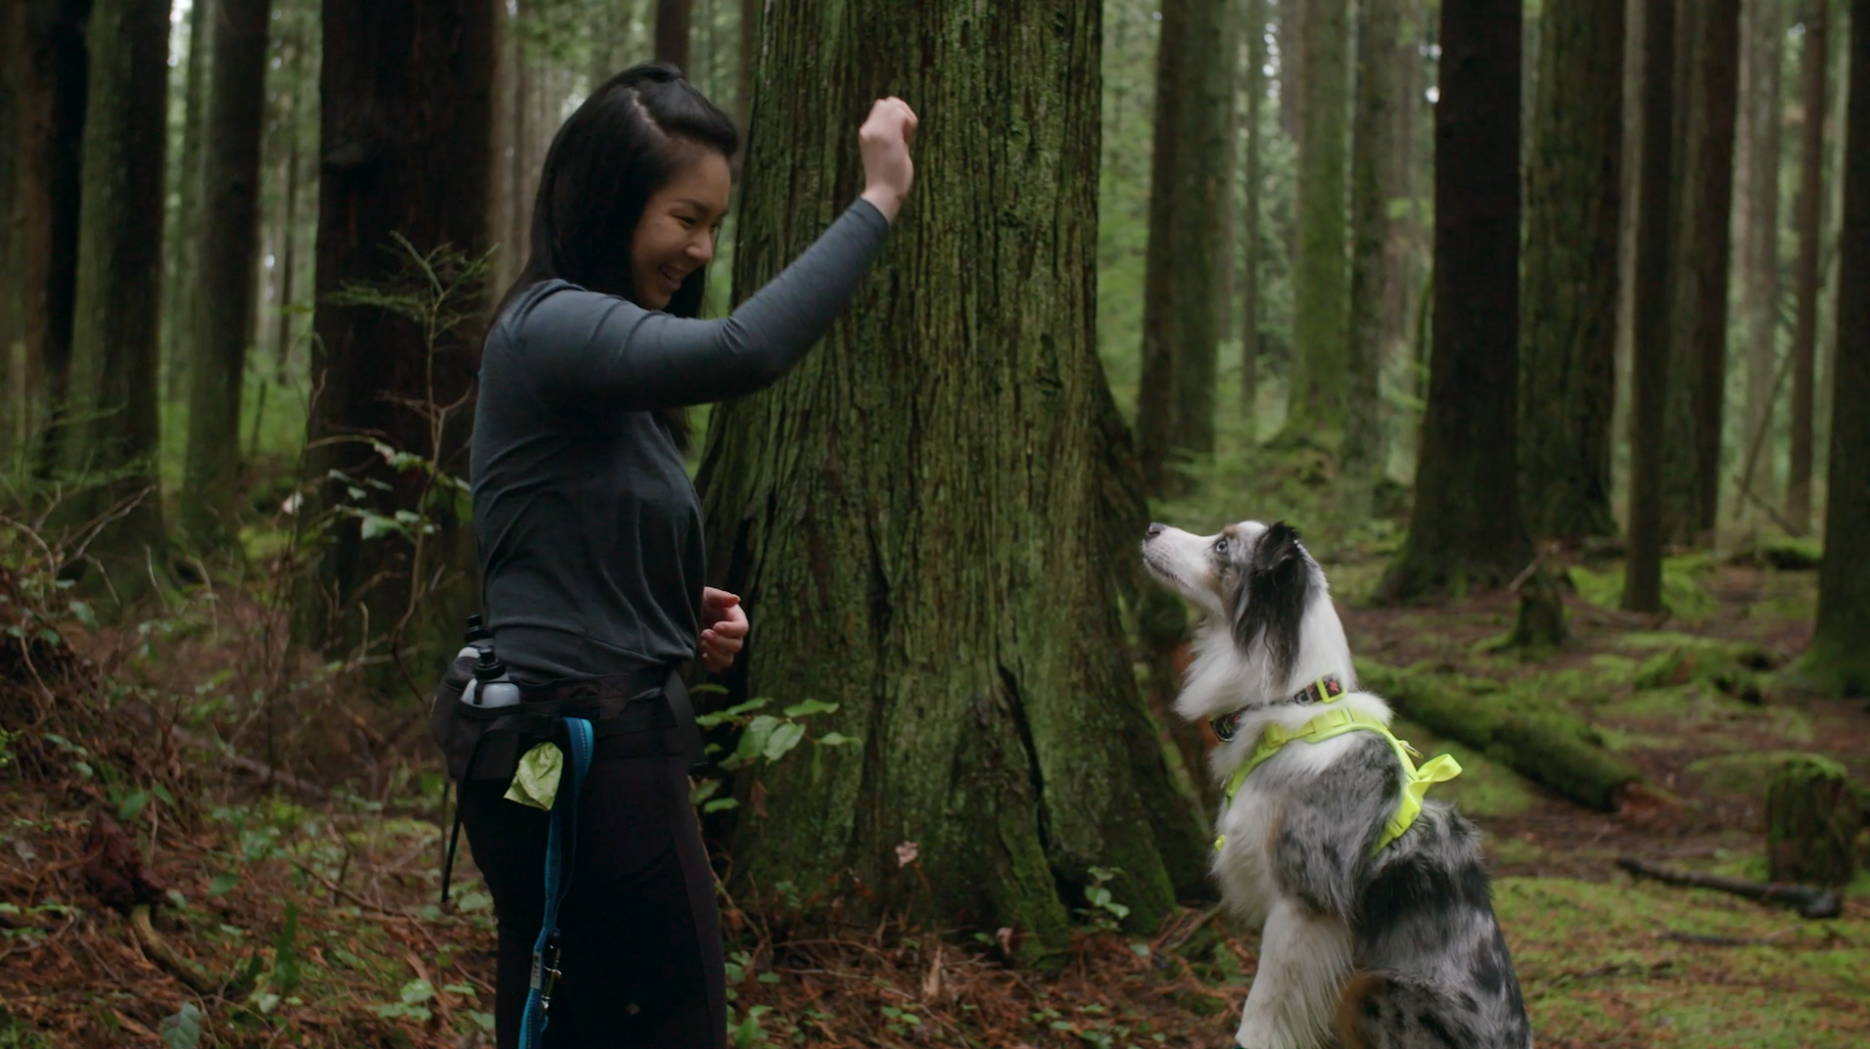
(1320, 293)
(229, 233)
(14, 393)
(114, 327)
(672, 30)
(1379, 175)
(884, 539)
(1813, 56)
(1182, 294)
(1840, 650)
(1649, 360)
(1465, 527)
(1569, 297)
(1692, 423)
(404, 150)
(1756, 256)
(52, 78)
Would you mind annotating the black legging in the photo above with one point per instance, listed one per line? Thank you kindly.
(640, 930)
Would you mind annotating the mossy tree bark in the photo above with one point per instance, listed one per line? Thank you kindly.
(1812, 817)
(1839, 657)
(405, 112)
(229, 236)
(1568, 298)
(1691, 446)
(1649, 358)
(1182, 297)
(1321, 276)
(114, 441)
(49, 70)
(1465, 527)
(920, 517)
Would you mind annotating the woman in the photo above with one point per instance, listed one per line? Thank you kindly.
(590, 531)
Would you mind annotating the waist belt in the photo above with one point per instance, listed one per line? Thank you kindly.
(621, 715)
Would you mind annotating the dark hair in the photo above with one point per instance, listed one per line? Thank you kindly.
(608, 158)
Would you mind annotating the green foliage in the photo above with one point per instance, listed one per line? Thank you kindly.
(761, 739)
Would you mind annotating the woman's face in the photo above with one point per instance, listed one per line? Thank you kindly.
(675, 236)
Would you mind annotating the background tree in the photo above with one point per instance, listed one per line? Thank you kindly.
(1568, 296)
(405, 150)
(114, 329)
(672, 31)
(882, 536)
(1253, 80)
(229, 231)
(1465, 527)
(180, 299)
(1320, 293)
(1709, 34)
(1839, 658)
(1379, 179)
(51, 74)
(1756, 251)
(1182, 296)
(1813, 60)
(1649, 364)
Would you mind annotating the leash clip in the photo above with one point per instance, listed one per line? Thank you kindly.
(546, 973)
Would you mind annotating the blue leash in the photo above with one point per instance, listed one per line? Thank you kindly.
(561, 845)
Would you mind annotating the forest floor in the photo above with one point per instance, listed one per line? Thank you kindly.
(309, 915)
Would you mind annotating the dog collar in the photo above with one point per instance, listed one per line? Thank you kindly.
(1324, 690)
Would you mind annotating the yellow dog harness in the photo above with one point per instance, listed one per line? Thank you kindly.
(1416, 781)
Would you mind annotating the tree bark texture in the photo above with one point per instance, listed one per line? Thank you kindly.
(404, 126)
(229, 235)
(1813, 60)
(52, 79)
(1841, 642)
(1182, 287)
(890, 512)
(1320, 289)
(114, 328)
(1465, 526)
(672, 30)
(1379, 173)
(1568, 311)
(1252, 229)
(1756, 257)
(1649, 359)
(1692, 421)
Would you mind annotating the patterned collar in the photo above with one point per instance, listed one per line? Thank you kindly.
(1324, 690)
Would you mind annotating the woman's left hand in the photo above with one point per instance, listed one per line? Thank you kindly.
(723, 628)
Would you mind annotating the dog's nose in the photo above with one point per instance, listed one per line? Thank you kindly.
(1155, 529)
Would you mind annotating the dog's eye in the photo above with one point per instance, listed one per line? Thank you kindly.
(1220, 545)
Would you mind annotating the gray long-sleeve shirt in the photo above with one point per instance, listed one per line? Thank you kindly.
(589, 528)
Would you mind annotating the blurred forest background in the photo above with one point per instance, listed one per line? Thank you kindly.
(1542, 322)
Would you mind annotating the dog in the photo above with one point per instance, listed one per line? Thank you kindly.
(1387, 941)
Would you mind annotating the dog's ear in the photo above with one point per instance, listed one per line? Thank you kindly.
(1273, 593)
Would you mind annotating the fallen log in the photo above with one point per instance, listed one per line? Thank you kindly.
(1546, 744)
(1809, 901)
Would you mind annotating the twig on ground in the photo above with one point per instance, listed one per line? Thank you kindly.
(1810, 902)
